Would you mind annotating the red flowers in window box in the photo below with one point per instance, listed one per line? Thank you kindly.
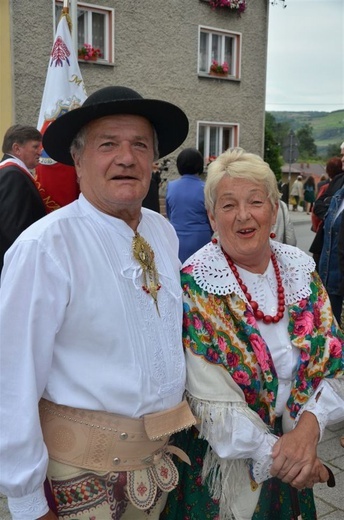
(89, 53)
(235, 5)
(219, 69)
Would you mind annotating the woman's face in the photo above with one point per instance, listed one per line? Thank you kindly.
(243, 218)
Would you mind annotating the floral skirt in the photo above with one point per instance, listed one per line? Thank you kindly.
(191, 499)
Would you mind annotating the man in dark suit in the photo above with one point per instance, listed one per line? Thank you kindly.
(152, 201)
(20, 200)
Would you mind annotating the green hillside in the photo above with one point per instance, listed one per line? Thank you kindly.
(328, 127)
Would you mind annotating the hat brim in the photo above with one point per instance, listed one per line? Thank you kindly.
(169, 121)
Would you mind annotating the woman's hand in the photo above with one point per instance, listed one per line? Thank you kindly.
(295, 455)
(49, 516)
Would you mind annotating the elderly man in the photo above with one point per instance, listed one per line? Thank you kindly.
(91, 318)
(20, 201)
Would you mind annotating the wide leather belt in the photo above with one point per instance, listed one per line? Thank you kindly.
(103, 442)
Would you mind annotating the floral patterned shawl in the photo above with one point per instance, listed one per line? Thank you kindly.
(219, 325)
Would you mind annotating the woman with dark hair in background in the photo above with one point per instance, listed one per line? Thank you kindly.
(309, 194)
(185, 207)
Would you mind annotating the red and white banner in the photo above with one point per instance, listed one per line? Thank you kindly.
(64, 90)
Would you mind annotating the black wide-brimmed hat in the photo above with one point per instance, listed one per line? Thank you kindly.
(169, 121)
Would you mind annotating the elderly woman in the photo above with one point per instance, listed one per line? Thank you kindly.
(264, 358)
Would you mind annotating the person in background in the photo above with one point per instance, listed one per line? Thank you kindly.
(296, 192)
(309, 194)
(323, 201)
(334, 169)
(341, 263)
(93, 370)
(283, 188)
(152, 200)
(185, 207)
(323, 180)
(329, 261)
(255, 315)
(20, 200)
(284, 228)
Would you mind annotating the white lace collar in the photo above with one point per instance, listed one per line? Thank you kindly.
(212, 273)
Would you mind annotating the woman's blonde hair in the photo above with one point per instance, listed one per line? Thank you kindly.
(236, 163)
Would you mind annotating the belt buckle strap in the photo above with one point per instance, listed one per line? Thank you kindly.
(176, 419)
(155, 457)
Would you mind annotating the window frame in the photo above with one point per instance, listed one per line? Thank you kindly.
(235, 68)
(234, 138)
(109, 28)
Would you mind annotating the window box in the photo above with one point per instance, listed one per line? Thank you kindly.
(218, 74)
(237, 6)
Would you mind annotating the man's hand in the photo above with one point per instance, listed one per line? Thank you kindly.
(319, 473)
(295, 455)
(49, 516)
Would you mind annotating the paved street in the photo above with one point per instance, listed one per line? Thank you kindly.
(330, 501)
(302, 224)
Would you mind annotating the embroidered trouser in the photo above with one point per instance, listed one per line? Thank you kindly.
(82, 495)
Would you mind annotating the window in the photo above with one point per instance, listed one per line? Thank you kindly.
(215, 138)
(95, 25)
(221, 46)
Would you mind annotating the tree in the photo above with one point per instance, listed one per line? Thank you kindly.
(333, 150)
(272, 148)
(307, 146)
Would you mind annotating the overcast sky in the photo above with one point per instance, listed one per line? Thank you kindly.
(306, 56)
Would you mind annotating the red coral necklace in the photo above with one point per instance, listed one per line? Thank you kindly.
(259, 315)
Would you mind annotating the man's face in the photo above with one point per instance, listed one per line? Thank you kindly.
(28, 152)
(115, 165)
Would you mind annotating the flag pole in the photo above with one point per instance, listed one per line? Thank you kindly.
(65, 12)
(74, 18)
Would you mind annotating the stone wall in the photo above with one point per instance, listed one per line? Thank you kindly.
(156, 45)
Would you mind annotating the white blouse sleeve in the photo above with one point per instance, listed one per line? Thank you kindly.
(327, 403)
(231, 428)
